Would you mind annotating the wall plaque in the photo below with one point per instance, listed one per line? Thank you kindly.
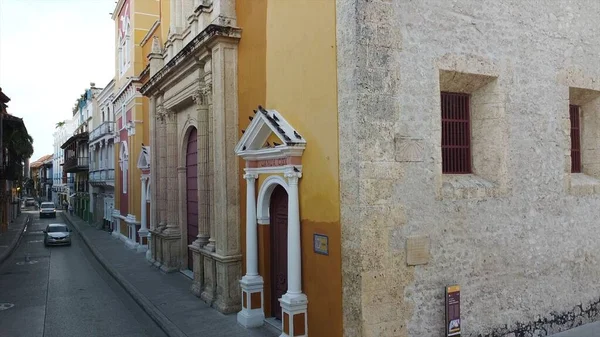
(321, 244)
(453, 310)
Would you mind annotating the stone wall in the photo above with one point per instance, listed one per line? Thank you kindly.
(520, 235)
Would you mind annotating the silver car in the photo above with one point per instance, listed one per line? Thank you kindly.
(47, 209)
(57, 234)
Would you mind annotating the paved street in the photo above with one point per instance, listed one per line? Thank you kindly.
(63, 291)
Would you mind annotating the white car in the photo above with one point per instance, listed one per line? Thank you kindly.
(47, 209)
(57, 234)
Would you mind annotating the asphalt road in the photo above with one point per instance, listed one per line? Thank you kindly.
(64, 291)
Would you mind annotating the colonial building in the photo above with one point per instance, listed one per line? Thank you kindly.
(77, 158)
(211, 208)
(133, 19)
(39, 176)
(102, 159)
(468, 135)
(60, 187)
(195, 220)
(34, 172)
(46, 181)
(17, 148)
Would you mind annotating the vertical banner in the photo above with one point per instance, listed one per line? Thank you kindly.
(453, 310)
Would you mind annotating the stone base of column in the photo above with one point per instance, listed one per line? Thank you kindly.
(294, 315)
(253, 302)
(208, 294)
(158, 256)
(150, 252)
(171, 253)
(198, 282)
(143, 234)
(229, 269)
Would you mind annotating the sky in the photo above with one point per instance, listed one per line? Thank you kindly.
(50, 51)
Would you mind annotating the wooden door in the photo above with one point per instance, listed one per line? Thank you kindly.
(278, 213)
(191, 164)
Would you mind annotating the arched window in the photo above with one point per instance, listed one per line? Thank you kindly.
(124, 164)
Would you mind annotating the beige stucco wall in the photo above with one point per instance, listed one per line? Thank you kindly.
(520, 236)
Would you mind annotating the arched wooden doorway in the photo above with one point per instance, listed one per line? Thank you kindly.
(191, 164)
(278, 214)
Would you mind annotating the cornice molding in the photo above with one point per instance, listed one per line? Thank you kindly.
(208, 35)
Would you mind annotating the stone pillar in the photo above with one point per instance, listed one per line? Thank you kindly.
(172, 184)
(173, 18)
(171, 236)
(182, 207)
(151, 253)
(198, 282)
(143, 232)
(208, 92)
(226, 177)
(162, 173)
(202, 170)
(252, 314)
(294, 303)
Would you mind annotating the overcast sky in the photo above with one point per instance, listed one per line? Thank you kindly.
(50, 51)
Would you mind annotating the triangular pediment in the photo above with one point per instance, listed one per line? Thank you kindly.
(265, 126)
(143, 162)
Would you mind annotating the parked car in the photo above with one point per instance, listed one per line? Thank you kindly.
(29, 202)
(47, 209)
(57, 234)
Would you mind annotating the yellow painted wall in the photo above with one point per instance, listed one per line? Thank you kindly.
(251, 17)
(143, 16)
(302, 85)
(289, 47)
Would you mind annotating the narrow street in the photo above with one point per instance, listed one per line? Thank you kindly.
(63, 291)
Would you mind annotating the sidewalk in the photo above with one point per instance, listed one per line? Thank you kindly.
(165, 297)
(10, 239)
(587, 330)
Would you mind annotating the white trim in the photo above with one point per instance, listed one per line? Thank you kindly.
(264, 197)
(273, 169)
(144, 157)
(259, 130)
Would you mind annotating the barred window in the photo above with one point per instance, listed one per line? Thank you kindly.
(456, 133)
(575, 139)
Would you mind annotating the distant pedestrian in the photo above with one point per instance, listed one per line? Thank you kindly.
(70, 209)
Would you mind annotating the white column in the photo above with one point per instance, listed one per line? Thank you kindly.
(294, 303)
(143, 232)
(251, 226)
(252, 314)
(294, 253)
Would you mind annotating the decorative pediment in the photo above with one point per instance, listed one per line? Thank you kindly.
(143, 162)
(265, 124)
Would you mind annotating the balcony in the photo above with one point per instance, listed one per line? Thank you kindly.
(102, 177)
(103, 129)
(82, 186)
(76, 164)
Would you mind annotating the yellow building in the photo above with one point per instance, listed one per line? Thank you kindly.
(289, 154)
(266, 211)
(133, 19)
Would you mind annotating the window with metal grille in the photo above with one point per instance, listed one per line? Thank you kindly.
(575, 139)
(456, 133)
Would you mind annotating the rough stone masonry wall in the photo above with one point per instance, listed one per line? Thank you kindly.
(521, 243)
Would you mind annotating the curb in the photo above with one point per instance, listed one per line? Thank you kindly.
(161, 320)
(15, 243)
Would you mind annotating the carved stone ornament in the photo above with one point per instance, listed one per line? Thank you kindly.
(156, 45)
(160, 113)
(169, 115)
(409, 149)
